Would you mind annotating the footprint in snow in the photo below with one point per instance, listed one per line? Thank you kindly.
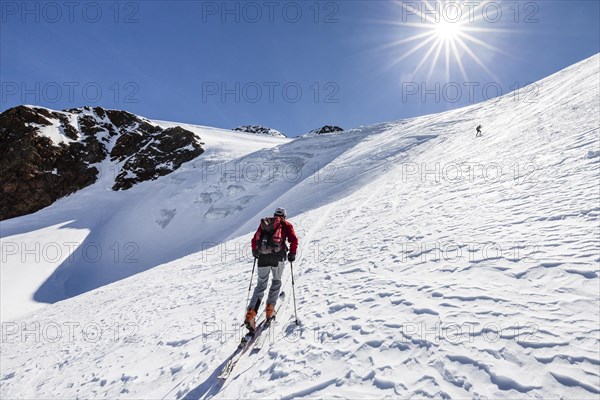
(420, 311)
(222, 212)
(234, 190)
(340, 307)
(208, 197)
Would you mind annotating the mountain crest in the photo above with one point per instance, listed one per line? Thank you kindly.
(259, 130)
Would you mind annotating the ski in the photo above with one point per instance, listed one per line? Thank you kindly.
(247, 337)
(260, 341)
(244, 345)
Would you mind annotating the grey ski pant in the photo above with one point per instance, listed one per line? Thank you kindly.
(263, 281)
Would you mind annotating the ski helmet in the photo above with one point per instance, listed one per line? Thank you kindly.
(280, 212)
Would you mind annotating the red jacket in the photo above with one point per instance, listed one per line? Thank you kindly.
(287, 229)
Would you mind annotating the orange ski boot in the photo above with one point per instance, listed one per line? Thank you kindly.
(250, 321)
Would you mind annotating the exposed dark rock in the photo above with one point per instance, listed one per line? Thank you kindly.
(36, 170)
(326, 129)
(259, 130)
(158, 155)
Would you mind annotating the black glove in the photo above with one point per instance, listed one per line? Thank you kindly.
(291, 257)
(255, 253)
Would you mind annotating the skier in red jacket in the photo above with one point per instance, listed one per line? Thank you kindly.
(269, 247)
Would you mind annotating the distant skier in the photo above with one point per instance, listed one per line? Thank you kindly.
(269, 247)
(479, 131)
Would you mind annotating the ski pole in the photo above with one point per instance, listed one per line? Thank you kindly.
(294, 293)
(250, 286)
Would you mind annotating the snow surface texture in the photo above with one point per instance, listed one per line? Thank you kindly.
(432, 264)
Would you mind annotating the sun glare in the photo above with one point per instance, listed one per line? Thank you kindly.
(445, 34)
(447, 30)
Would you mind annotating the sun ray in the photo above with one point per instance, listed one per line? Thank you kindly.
(435, 60)
(482, 43)
(425, 58)
(447, 44)
(451, 27)
(477, 60)
(432, 38)
(485, 30)
(406, 40)
(410, 52)
(459, 61)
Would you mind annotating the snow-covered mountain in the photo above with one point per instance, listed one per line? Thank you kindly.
(48, 154)
(432, 264)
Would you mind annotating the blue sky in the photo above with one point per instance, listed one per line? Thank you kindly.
(289, 65)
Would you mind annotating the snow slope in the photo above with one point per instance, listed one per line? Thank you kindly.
(432, 264)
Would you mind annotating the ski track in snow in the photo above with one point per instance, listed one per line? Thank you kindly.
(508, 309)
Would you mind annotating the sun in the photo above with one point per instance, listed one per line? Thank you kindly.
(447, 31)
(445, 35)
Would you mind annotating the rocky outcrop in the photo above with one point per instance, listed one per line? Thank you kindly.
(46, 154)
(259, 130)
(158, 154)
(325, 129)
(35, 171)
